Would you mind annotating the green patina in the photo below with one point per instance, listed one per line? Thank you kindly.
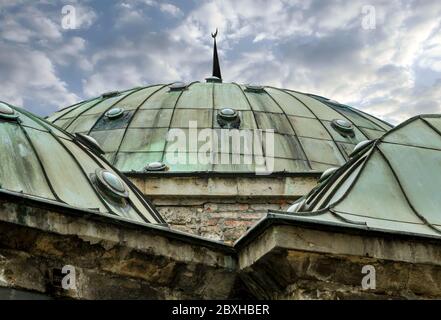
(389, 185)
(41, 162)
(304, 138)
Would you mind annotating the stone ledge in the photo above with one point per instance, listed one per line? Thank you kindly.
(364, 244)
(278, 260)
(142, 261)
(289, 261)
(268, 187)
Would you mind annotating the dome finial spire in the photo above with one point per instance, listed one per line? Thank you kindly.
(216, 65)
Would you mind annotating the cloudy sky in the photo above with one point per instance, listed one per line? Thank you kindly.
(380, 56)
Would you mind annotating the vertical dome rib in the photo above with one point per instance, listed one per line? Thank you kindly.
(431, 126)
(79, 155)
(399, 170)
(57, 139)
(334, 184)
(305, 138)
(70, 117)
(102, 162)
(58, 114)
(172, 117)
(254, 115)
(344, 116)
(113, 105)
(100, 100)
(133, 115)
(82, 112)
(315, 115)
(363, 115)
(409, 202)
(293, 129)
(49, 183)
(338, 111)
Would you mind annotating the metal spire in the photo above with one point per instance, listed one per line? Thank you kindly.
(216, 65)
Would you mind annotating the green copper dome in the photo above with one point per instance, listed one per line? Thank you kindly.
(311, 133)
(41, 163)
(390, 184)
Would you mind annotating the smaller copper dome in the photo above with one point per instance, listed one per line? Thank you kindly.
(41, 162)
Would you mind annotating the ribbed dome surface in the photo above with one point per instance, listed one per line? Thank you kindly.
(305, 138)
(389, 185)
(42, 163)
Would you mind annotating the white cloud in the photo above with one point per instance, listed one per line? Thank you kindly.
(32, 48)
(85, 16)
(28, 24)
(315, 46)
(170, 9)
(29, 75)
(321, 47)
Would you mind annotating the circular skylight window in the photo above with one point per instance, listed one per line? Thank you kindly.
(155, 166)
(255, 88)
(7, 112)
(213, 79)
(228, 113)
(228, 118)
(115, 113)
(111, 183)
(89, 142)
(178, 86)
(110, 94)
(329, 172)
(360, 146)
(343, 126)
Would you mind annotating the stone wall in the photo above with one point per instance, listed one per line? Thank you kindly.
(112, 259)
(115, 259)
(216, 218)
(292, 262)
(302, 275)
(221, 207)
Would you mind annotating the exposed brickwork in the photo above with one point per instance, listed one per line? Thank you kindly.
(221, 207)
(215, 218)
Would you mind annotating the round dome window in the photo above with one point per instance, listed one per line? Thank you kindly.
(7, 112)
(228, 118)
(343, 126)
(255, 88)
(110, 94)
(111, 184)
(115, 113)
(213, 79)
(89, 142)
(178, 86)
(155, 166)
(228, 113)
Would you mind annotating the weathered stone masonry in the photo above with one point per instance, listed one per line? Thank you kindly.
(221, 207)
(278, 259)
